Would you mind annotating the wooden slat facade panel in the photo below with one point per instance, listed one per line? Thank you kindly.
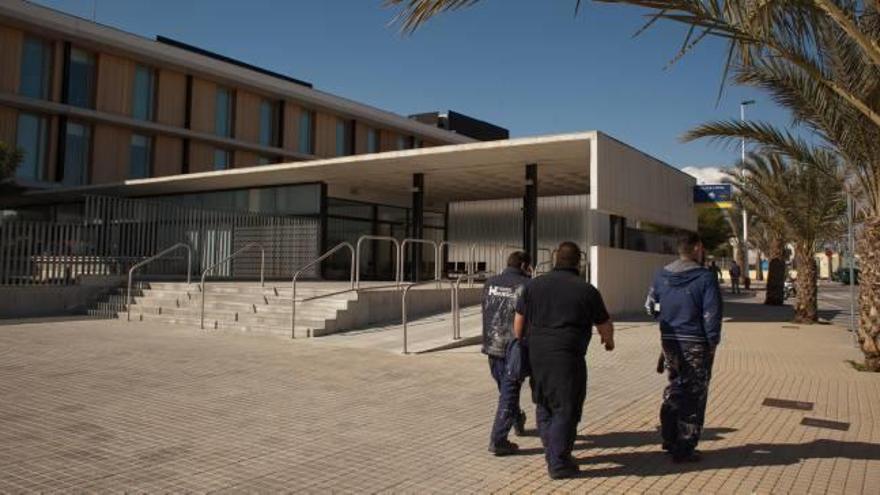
(110, 154)
(167, 156)
(8, 122)
(245, 159)
(204, 99)
(247, 116)
(360, 138)
(325, 135)
(115, 84)
(388, 140)
(10, 58)
(57, 70)
(201, 157)
(171, 98)
(290, 139)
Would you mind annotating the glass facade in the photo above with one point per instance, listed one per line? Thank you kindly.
(77, 150)
(223, 113)
(143, 94)
(221, 159)
(81, 79)
(303, 199)
(307, 132)
(32, 140)
(372, 141)
(36, 63)
(265, 160)
(140, 156)
(268, 123)
(344, 137)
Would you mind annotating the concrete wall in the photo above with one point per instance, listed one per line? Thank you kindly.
(24, 302)
(626, 182)
(623, 276)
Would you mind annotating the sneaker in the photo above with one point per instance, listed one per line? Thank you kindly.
(505, 447)
(563, 472)
(668, 447)
(519, 426)
(685, 457)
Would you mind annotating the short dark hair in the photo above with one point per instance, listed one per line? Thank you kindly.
(519, 258)
(568, 255)
(686, 242)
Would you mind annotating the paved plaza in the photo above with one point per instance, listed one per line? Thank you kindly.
(102, 406)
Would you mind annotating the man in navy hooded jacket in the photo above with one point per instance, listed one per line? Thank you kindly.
(686, 299)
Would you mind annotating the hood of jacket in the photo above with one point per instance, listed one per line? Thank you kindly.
(682, 272)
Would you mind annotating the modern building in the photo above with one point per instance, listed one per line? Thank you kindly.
(135, 144)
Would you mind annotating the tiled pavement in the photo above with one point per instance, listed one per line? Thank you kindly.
(96, 406)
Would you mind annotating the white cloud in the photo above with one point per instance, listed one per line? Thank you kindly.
(706, 175)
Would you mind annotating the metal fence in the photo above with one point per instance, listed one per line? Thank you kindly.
(116, 233)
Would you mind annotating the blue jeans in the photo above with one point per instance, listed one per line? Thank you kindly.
(508, 400)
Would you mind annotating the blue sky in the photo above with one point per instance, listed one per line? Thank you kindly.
(528, 65)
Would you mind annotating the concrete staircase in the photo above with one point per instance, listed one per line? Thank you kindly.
(248, 307)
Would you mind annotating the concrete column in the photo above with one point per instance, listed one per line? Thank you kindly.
(530, 212)
(418, 224)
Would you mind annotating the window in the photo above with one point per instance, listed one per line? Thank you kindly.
(144, 93)
(81, 79)
(76, 153)
(36, 63)
(265, 160)
(221, 159)
(344, 137)
(307, 132)
(372, 141)
(32, 140)
(268, 123)
(405, 142)
(223, 113)
(140, 156)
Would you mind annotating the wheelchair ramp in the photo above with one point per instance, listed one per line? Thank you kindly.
(427, 334)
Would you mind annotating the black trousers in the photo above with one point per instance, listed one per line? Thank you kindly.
(683, 412)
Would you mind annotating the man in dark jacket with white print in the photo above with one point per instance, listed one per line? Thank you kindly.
(686, 299)
(499, 306)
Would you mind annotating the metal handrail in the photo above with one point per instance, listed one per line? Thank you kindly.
(438, 269)
(456, 310)
(357, 257)
(306, 267)
(354, 289)
(403, 308)
(536, 272)
(419, 241)
(154, 258)
(246, 247)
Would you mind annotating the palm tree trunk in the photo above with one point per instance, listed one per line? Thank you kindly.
(806, 307)
(776, 273)
(869, 293)
(759, 270)
(742, 259)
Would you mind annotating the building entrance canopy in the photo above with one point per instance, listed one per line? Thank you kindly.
(619, 179)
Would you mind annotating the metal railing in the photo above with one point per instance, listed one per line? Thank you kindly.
(456, 309)
(397, 264)
(152, 259)
(419, 241)
(403, 311)
(246, 247)
(312, 263)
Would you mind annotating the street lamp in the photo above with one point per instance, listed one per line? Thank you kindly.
(745, 215)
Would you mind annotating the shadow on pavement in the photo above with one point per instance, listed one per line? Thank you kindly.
(754, 454)
(47, 319)
(639, 438)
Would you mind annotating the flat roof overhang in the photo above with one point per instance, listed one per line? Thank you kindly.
(472, 171)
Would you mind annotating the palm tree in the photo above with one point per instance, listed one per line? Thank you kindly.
(801, 203)
(818, 58)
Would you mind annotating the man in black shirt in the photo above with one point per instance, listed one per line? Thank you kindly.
(556, 312)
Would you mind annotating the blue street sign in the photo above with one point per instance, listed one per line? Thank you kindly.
(713, 193)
